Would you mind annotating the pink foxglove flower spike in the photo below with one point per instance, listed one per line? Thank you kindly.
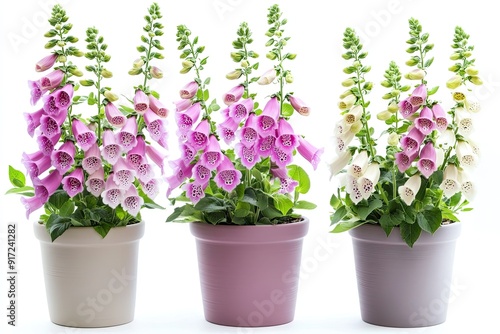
(73, 183)
(63, 158)
(114, 116)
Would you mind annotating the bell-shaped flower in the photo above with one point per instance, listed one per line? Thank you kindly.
(32, 204)
(110, 151)
(287, 184)
(33, 121)
(234, 95)
(49, 105)
(181, 105)
(339, 163)
(126, 138)
(466, 185)
(201, 173)
(265, 145)
(427, 162)
(157, 107)
(194, 191)
(212, 157)
(409, 190)
(46, 145)
(227, 130)
(44, 188)
(405, 159)
(341, 142)
(155, 125)
(287, 140)
(198, 138)
(114, 116)
(367, 182)
(63, 96)
(458, 95)
(393, 139)
(474, 146)
(424, 122)
(465, 155)
(145, 170)
(123, 174)
(248, 155)
(95, 182)
(185, 120)
(464, 121)
(282, 158)
(227, 177)
(92, 159)
(156, 156)
(182, 170)
(51, 80)
(353, 115)
(35, 91)
(51, 125)
(63, 158)
(248, 134)
(189, 90)
(46, 62)
(241, 109)
(131, 201)
(358, 165)
(352, 188)
(151, 188)
(299, 105)
(156, 72)
(411, 142)
(440, 117)
(136, 155)
(418, 96)
(268, 77)
(85, 138)
(188, 153)
(347, 102)
(310, 152)
(141, 102)
(450, 184)
(36, 163)
(472, 105)
(73, 183)
(112, 194)
(267, 121)
(406, 108)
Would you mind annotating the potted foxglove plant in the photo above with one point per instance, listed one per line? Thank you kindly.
(92, 175)
(236, 175)
(401, 205)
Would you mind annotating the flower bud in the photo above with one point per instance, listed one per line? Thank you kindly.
(291, 56)
(86, 82)
(236, 56)
(106, 74)
(454, 68)
(393, 139)
(395, 92)
(348, 82)
(471, 70)
(476, 80)
(467, 54)
(417, 74)
(289, 78)
(185, 70)
(76, 72)
(356, 126)
(61, 43)
(245, 63)
(455, 56)
(411, 62)
(92, 126)
(346, 93)
(187, 64)
(268, 77)
(61, 59)
(368, 85)
(386, 84)
(138, 63)
(236, 74)
(156, 72)
(80, 53)
(135, 71)
(454, 82)
(393, 107)
(356, 64)
(384, 115)
(112, 97)
(271, 55)
(387, 96)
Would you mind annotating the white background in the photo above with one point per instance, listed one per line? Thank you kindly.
(168, 298)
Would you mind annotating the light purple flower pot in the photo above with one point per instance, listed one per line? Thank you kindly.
(249, 274)
(400, 286)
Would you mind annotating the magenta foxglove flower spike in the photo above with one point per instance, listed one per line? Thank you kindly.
(189, 90)
(114, 116)
(136, 155)
(424, 122)
(141, 102)
(36, 91)
(227, 176)
(131, 201)
(127, 136)
(157, 107)
(111, 151)
(92, 159)
(405, 159)
(288, 184)
(32, 204)
(201, 173)
(46, 62)
(188, 153)
(265, 145)
(73, 183)
(248, 155)
(151, 188)
(155, 125)
(95, 182)
(241, 109)
(33, 121)
(248, 134)
(281, 157)
(198, 138)
(411, 142)
(182, 171)
(85, 138)
(63, 96)
(51, 125)
(309, 152)
(427, 162)
(267, 121)
(194, 191)
(145, 171)
(182, 105)
(440, 117)
(186, 120)
(418, 96)
(51, 80)
(227, 130)
(234, 95)
(49, 105)
(46, 145)
(37, 165)
(212, 156)
(299, 105)
(123, 174)
(112, 194)
(156, 156)
(406, 108)
(45, 187)
(287, 140)
(63, 158)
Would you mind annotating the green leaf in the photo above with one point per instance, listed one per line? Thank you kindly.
(215, 217)
(262, 199)
(430, 219)
(455, 199)
(250, 197)
(206, 95)
(210, 204)
(338, 215)
(364, 211)
(410, 233)
(91, 99)
(271, 213)
(148, 202)
(346, 226)
(305, 205)
(58, 199)
(283, 203)
(335, 202)
(299, 174)
(26, 191)
(103, 229)
(287, 110)
(177, 213)
(387, 224)
(16, 177)
(56, 226)
(67, 208)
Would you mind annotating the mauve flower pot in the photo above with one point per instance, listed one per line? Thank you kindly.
(400, 286)
(90, 281)
(249, 274)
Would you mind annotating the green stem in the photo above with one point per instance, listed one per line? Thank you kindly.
(148, 58)
(247, 81)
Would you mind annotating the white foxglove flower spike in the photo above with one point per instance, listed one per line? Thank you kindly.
(409, 190)
(339, 163)
(367, 182)
(466, 186)
(450, 184)
(359, 164)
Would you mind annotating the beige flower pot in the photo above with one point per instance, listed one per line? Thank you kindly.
(90, 281)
